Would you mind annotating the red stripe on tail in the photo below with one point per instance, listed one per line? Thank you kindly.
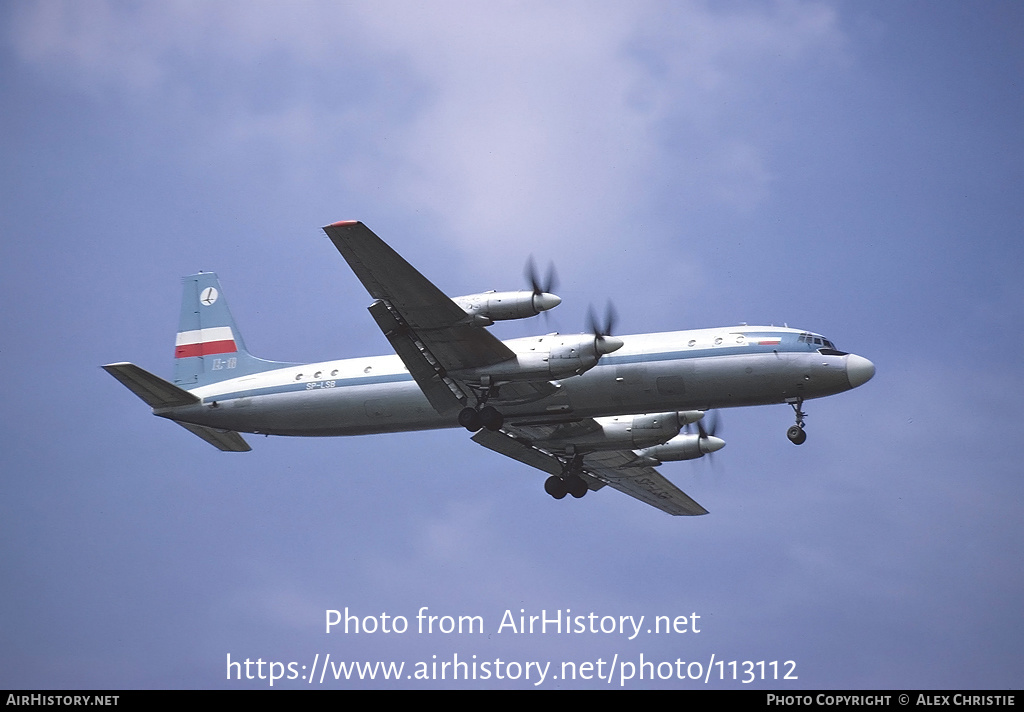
(209, 348)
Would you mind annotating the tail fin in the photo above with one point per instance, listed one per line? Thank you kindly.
(209, 348)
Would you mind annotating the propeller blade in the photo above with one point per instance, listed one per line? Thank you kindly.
(605, 328)
(708, 442)
(550, 283)
(530, 272)
(610, 317)
(543, 299)
(603, 339)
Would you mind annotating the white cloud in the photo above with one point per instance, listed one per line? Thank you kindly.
(537, 123)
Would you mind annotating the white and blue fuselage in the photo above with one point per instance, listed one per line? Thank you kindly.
(699, 369)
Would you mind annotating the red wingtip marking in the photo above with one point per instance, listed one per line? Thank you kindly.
(344, 223)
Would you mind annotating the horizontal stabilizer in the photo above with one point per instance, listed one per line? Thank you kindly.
(157, 392)
(226, 440)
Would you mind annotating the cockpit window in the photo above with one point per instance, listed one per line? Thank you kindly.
(824, 345)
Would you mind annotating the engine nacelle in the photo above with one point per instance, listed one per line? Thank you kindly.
(548, 358)
(489, 307)
(681, 447)
(621, 432)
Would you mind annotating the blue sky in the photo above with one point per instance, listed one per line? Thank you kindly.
(854, 169)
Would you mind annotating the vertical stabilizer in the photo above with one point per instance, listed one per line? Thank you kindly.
(209, 347)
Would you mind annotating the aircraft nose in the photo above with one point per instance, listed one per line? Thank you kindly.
(858, 370)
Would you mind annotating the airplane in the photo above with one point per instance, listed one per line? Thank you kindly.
(589, 410)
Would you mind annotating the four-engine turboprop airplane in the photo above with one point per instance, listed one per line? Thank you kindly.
(588, 409)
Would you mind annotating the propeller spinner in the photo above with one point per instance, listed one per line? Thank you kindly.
(604, 342)
(708, 442)
(543, 299)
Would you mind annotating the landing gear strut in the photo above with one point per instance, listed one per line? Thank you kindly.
(796, 433)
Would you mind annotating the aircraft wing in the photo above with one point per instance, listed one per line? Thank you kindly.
(526, 444)
(438, 322)
(431, 333)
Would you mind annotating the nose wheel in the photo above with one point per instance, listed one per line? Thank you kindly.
(796, 433)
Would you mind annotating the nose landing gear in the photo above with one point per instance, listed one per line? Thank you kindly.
(796, 433)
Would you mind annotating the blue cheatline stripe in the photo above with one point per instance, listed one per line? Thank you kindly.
(303, 386)
(699, 352)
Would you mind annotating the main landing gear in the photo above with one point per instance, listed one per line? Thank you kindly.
(796, 433)
(472, 419)
(483, 415)
(569, 482)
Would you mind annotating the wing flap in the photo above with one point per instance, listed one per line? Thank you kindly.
(643, 483)
(510, 446)
(611, 468)
(443, 393)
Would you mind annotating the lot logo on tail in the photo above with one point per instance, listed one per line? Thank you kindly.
(208, 297)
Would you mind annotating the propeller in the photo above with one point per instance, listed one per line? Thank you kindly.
(708, 442)
(604, 342)
(543, 299)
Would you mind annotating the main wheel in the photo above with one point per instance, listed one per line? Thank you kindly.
(796, 435)
(491, 418)
(555, 487)
(470, 419)
(577, 486)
